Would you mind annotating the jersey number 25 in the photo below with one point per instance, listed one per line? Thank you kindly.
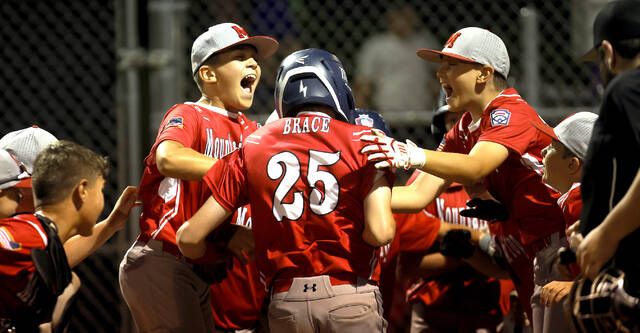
(286, 165)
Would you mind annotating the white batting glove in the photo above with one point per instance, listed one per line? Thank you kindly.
(388, 152)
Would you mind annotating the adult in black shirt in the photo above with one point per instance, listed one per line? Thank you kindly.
(613, 158)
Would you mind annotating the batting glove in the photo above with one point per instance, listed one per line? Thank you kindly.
(489, 210)
(388, 152)
(457, 243)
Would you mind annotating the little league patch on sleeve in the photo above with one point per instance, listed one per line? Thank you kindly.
(7, 242)
(500, 117)
(174, 122)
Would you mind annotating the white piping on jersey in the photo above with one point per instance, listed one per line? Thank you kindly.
(501, 95)
(170, 214)
(362, 132)
(215, 109)
(613, 182)
(532, 163)
(208, 149)
(372, 264)
(40, 231)
(564, 196)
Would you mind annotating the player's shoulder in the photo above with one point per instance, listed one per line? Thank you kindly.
(21, 231)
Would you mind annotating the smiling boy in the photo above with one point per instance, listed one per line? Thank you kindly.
(493, 144)
(160, 287)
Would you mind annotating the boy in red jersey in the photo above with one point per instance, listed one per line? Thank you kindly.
(493, 144)
(160, 286)
(563, 161)
(320, 211)
(34, 269)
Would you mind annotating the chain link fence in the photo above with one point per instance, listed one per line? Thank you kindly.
(102, 73)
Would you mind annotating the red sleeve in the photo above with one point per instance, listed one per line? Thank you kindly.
(416, 232)
(228, 182)
(180, 124)
(515, 133)
(572, 208)
(17, 239)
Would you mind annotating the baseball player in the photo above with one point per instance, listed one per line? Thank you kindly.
(25, 144)
(562, 161)
(493, 144)
(33, 265)
(163, 290)
(320, 211)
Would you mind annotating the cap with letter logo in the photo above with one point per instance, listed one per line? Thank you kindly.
(475, 45)
(224, 35)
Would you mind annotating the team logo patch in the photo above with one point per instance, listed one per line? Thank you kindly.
(174, 122)
(500, 117)
(7, 242)
(364, 120)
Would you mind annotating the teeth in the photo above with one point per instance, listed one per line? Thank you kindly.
(251, 76)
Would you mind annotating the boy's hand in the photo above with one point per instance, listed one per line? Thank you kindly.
(554, 292)
(242, 244)
(595, 250)
(118, 217)
(388, 152)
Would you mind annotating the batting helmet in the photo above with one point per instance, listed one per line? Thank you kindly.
(372, 119)
(603, 305)
(313, 76)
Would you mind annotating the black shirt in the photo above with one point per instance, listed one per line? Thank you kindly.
(612, 162)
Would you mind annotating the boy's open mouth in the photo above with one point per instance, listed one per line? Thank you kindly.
(447, 90)
(247, 82)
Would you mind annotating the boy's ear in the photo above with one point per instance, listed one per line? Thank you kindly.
(608, 55)
(80, 193)
(575, 164)
(207, 74)
(486, 72)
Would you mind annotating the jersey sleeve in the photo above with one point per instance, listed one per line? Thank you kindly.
(228, 182)
(510, 128)
(17, 239)
(180, 124)
(416, 232)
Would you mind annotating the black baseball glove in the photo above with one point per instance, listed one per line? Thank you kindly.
(489, 210)
(457, 243)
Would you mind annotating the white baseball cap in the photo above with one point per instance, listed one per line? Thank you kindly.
(225, 35)
(12, 172)
(574, 132)
(473, 45)
(26, 144)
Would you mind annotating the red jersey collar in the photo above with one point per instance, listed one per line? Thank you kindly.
(503, 96)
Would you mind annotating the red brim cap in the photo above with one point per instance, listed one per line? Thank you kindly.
(437, 56)
(546, 129)
(24, 183)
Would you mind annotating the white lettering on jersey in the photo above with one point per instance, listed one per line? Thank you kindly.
(306, 125)
(384, 252)
(511, 248)
(452, 215)
(220, 147)
(241, 218)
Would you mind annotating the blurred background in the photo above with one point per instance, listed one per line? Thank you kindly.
(103, 72)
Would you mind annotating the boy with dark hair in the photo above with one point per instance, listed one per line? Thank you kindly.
(34, 269)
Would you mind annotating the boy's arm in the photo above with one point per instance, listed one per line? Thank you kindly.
(466, 169)
(78, 247)
(177, 161)
(192, 234)
(469, 169)
(379, 226)
(413, 198)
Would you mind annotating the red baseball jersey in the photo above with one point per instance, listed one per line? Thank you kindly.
(168, 202)
(571, 204)
(508, 120)
(517, 183)
(18, 236)
(306, 181)
(236, 301)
